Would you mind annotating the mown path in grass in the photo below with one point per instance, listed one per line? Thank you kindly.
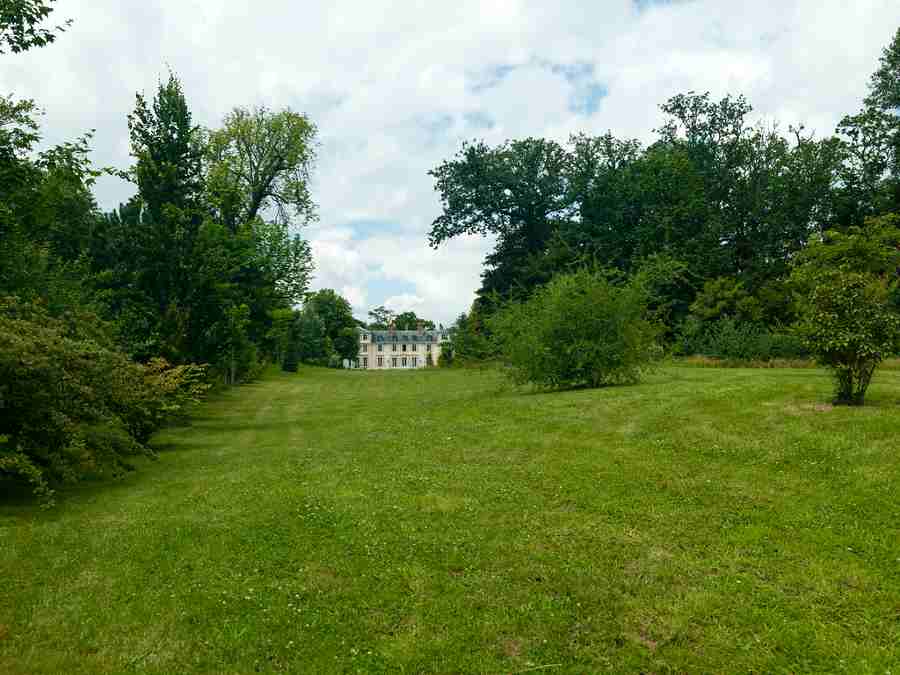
(708, 520)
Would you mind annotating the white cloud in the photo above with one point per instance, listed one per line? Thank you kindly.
(405, 302)
(394, 88)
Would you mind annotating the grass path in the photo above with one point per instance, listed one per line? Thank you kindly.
(708, 520)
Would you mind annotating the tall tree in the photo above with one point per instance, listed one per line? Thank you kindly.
(516, 191)
(381, 318)
(873, 140)
(168, 150)
(259, 161)
(336, 314)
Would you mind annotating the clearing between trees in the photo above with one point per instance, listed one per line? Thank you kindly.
(706, 520)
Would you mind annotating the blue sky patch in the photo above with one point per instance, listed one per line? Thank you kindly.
(586, 98)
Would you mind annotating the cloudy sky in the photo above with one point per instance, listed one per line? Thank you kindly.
(394, 87)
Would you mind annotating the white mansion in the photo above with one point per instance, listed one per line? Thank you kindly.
(379, 349)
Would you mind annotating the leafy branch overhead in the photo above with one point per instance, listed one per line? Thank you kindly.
(21, 25)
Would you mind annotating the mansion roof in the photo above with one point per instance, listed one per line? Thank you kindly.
(405, 335)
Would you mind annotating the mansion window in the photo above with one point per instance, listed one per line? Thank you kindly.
(380, 361)
(365, 362)
(380, 347)
(415, 361)
(393, 348)
(404, 362)
(414, 346)
(394, 361)
(404, 347)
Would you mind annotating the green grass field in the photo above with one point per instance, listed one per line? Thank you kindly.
(707, 520)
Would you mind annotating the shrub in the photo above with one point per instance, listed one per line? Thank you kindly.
(734, 340)
(470, 340)
(725, 297)
(578, 330)
(849, 317)
(849, 324)
(73, 406)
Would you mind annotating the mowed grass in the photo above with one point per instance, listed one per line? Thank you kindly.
(707, 520)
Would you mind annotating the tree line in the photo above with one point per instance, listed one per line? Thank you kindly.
(713, 217)
(113, 322)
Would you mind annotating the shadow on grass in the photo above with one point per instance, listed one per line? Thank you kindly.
(18, 501)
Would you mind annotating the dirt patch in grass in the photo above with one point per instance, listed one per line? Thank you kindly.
(797, 410)
(512, 648)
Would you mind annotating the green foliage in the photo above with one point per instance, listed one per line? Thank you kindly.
(291, 357)
(339, 326)
(849, 319)
(470, 340)
(669, 285)
(410, 321)
(725, 298)
(168, 152)
(850, 326)
(381, 318)
(72, 405)
(737, 341)
(237, 352)
(872, 139)
(313, 346)
(282, 333)
(578, 330)
(20, 25)
(714, 195)
(261, 160)
(174, 263)
(516, 191)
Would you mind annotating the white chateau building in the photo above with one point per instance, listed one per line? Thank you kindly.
(382, 349)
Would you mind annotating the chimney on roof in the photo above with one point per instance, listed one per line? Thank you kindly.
(420, 327)
(392, 327)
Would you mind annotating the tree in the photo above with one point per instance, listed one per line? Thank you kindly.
(285, 260)
(873, 140)
(725, 297)
(291, 350)
(162, 230)
(282, 332)
(381, 318)
(340, 328)
(237, 352)
(261, 160)
(516, 191)
(168, 150)
(470, 339)
(20, 25)
(850, 327)
(409, 321)
(578, 330)
(849, 313)
(312, 343)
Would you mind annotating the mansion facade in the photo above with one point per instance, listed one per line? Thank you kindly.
(386, 349)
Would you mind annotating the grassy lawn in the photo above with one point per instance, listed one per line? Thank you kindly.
(708, 520)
